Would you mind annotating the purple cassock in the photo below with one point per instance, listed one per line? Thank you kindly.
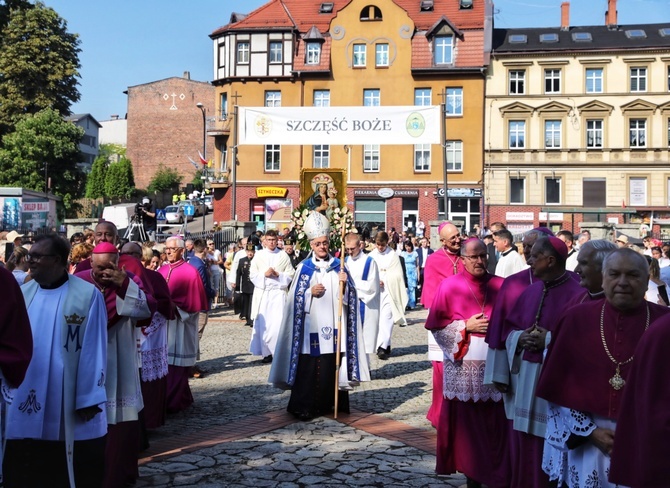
(439, 265)
(541, 304)
(16, 336)
(642, 439)
(511, 290)
(472, 428)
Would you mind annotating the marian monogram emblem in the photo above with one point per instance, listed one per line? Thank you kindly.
(73, 322)
(327, 333)
(31, 405)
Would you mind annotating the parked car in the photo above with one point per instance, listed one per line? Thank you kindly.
(209, 202)
(174, 214)
(200, 208)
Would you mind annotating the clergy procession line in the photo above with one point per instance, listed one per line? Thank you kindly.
(538, 379)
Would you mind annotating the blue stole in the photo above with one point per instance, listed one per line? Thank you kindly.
(366, 271)
(306, 271)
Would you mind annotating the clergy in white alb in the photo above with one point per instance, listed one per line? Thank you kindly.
(509, 261)
(271, 273)
(364, 272)
(393, 293)
(56, 420)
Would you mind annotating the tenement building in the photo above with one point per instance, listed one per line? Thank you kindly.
(355, 53)
(578, 125)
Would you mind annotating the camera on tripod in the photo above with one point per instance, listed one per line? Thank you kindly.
(141, 208)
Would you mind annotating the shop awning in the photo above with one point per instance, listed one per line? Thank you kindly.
(589, 210)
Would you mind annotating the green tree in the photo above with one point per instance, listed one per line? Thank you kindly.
(39, 62)
(165, 179)
(197, 181)
(95, 183)
(119, 180)
(43, 145)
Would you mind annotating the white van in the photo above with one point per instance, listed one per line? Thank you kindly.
(120, 215)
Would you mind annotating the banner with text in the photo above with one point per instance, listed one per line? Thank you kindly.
(339, 125)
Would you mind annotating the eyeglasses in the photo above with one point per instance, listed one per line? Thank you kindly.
(38, 257)
(477, 257)
(171, 249)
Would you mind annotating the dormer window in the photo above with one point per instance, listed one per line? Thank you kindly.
(636, 34)
(313, 53)
(582, 37)
(549, 37)
(426, 6)
(444, 49)
(465, 4)
(518, 39)
(371, 12)
(664, 32)
(326, 8)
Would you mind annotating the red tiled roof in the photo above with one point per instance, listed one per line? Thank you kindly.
(299, 59)
(462, 18)
(306, 13)
(272, 15)
(469, 52)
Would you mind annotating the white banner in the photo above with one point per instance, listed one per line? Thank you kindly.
(339, 125)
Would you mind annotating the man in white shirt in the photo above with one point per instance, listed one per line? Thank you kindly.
(567, 237)
(509, 261)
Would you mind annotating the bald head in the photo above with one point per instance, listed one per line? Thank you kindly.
(132, 248)
(106, 232)
(450, 238)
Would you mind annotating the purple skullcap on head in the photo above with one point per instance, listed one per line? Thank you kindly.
(544, 230)
(470, 239)
(441, 226)
(105, 248)
(559, 246)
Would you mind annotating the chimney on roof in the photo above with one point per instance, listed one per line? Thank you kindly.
(115, 117)
(565, 16)
(611, 14)
(187, 75)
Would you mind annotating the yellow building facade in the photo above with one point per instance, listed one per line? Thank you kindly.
(360, 53)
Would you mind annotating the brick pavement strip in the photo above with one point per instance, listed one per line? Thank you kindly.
(238, 433)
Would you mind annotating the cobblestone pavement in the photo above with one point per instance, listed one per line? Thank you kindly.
(281, 452)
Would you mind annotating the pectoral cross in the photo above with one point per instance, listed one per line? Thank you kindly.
(315, 344)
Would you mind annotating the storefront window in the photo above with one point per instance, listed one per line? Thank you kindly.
(370, 213)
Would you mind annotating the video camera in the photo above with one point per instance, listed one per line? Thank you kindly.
(142, 208)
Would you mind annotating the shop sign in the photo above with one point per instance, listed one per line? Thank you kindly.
(407, 193)
(271, 191)
(520, 216)
(461, 192)
(550, 217)
(385, 192)
(366, 192)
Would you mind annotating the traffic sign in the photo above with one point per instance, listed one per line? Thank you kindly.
(160, 214)
(189, 210)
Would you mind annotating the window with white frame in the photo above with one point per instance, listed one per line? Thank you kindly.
(454, 101)
(321, 156)
(321, 152)
(359, 55)
(322, 98)
(371, 158)
(552, 191)
(313, 53)
(454, 150)
(371, 97)
(517, 134)
(422, 97)
(594, 80)
(637, 129)
(517, 82)
(552, 134)
(382, 55)
(242, 53)
(638, 79)
(223, 106)
(275, 52)
(517, 190)
(421, 157)
(552, 80)
(272, 157)
(594, 133)
(273, 98)
(444, 49)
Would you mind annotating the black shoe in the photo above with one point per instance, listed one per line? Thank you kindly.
(249, 324)
(382, 354)
(267, 359)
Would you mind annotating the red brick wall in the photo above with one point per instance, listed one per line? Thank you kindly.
(167, 131)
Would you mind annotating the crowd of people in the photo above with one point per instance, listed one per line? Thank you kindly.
(538, 378)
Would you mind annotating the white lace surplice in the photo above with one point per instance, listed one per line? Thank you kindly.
(463, 379)
(584, 466)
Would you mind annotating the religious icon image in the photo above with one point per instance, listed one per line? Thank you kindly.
(333, 203)
(321, 183)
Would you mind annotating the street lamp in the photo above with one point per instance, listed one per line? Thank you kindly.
(204, 153)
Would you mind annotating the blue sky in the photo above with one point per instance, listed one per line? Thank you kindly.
(130, 42)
